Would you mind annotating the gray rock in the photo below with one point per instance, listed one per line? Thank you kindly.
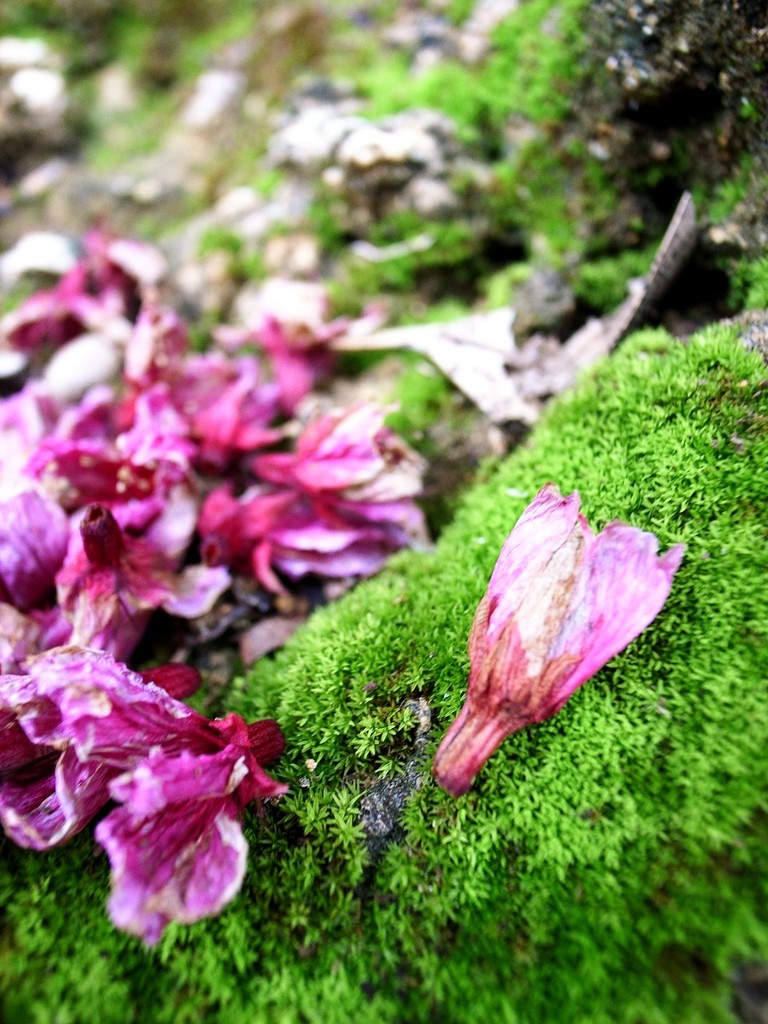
(309, 139)
(79, 365)
(16, 53)
(37, 252)
(679, 76)
(34, 106)
(543, 302)
(428, 38)
(116, 90)
(40, 91)
(216, 94)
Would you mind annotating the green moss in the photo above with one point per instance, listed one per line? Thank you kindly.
(608, 865)
(749, 287)
(457, 11)
(499, 286)
(720, 205)
(602, 284)
(557, 200)
(451, 266)
(124, 136)
(245, 263)
(533, 70)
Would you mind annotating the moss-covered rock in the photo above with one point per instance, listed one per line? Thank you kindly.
(608, 865)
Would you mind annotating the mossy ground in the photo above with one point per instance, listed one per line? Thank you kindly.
(608, 865)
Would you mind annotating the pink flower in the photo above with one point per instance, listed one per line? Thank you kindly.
(175, 845)
(268, 529)
(123, 265)
(291, 326)
(47, 793)
(55, 315)
(231, 527)
(25, 419)
(561, 602)
(347, 455)
(111, 582)
(232, 418)
(314, 539)
(356, 478)
(83, 461)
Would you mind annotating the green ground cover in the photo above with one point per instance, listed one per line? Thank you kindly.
(608, 866)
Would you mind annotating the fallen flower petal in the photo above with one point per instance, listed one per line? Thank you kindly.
(52, 799)
(33, 542)
(349, 454)
(25, 419)
(290, 325)
(181, 863)
(312, 540)
(176, 847)
(237, 418)
(155, 348)
(47, 794)
(561, 602)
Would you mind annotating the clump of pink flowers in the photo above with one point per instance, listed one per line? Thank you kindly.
(81, 730)
(561, 602)
(105, 491)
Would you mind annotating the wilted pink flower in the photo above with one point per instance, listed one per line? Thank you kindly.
(33, 542)
(561, 602)
(25, 635)
(55, 315)
(111, 582)
(19, 638)
(316, 539)
(233, 417)
(356, 478)
(143, 463)
(347, 455)
(47, 793)
(92, 418)
(176, 847)
(124, 265)
(268, 529)
(291, 325)
(233, 531)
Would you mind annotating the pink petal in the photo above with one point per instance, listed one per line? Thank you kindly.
(543, 528)
(46, 796)
(196, 589)
(19, 638)
(625, 586)
(177, 679)
(156, 346)
(139, 260)
(176, 850)
(107, 712)
(182, 865)
(33, 542)
(16, 749)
